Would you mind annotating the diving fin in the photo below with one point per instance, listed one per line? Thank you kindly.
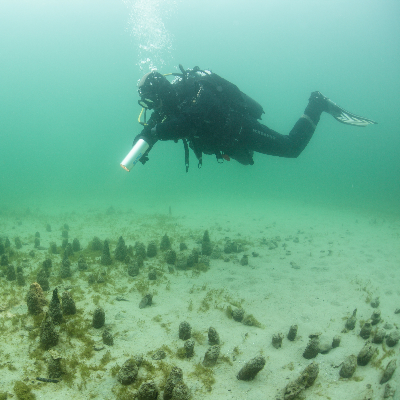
(343, 116)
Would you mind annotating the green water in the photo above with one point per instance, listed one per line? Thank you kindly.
(68, 99)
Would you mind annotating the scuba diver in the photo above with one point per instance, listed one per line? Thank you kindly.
(212, 116)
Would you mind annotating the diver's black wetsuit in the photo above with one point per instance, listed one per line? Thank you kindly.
(212, 126)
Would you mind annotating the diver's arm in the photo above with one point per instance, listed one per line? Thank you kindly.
(174, 129)
(149, 136)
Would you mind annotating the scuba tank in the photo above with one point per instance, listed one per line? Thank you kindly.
(240, 101)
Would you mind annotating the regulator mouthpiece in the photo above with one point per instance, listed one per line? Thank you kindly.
(134, 155)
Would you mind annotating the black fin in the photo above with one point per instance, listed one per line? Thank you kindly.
(346, 117)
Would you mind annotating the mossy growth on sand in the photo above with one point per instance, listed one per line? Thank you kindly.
(157, 371)
(75, 365)
(76, 327)
(377, 362)
(122, 392)
(114, 370)
(105, 360)
(181, 353)
(165, 369)
(251, 321)
(205, 375)
(23, 391)
(199, 337)
(215, 297)
(200, 267)
(236, 351)
(225, 359)
(228, 312)
(142, 286)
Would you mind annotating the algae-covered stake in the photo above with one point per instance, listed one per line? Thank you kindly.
(146, 301)
(304, 381)
(211, 356)
(375, 302)
(393, 338)
(292, 333)
(42, 278)
(148, 391)
(160, 354)
(213, 337)
(251, 369)
(312, 348)
(68, 304)
(174, 377)
(181, 261)
(65, 269)
(165, 243)
(181, 392)
(366, 329)
(189, 348)
(170, 257)
(35, 299)
(128, 372)
(48, 333)
(375, 317)
(277, 340)
(389, 392)
(47, 266)
(133, 269)
(185, 330)
(20, 278)
(99, 317)
(336, 341)
(55, 308)
(152, 275)
(106, 256)
(389, 371)
(54, 368)
(206, 246)
(53, 248)
(18, 243)
(378, 336)
(82, 265)
(76, 245)
(151, 249)
(365, 355)
(351, 322)
(349, 366)
(244, 260)
(238, 314)
(121, 251)
(107, 338)
(96, 244)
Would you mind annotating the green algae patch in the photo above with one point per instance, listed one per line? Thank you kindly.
(23, 391)
(205, 375)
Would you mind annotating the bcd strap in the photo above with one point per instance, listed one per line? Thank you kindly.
(185, 145)
(200, 158)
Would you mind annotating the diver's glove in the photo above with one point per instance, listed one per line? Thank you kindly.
(318, 103)
(149, 135)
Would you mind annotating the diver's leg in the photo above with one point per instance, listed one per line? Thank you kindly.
(260, 138)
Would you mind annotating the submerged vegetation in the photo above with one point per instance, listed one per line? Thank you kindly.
(127, 274)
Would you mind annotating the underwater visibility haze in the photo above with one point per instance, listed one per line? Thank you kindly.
(69, 98)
